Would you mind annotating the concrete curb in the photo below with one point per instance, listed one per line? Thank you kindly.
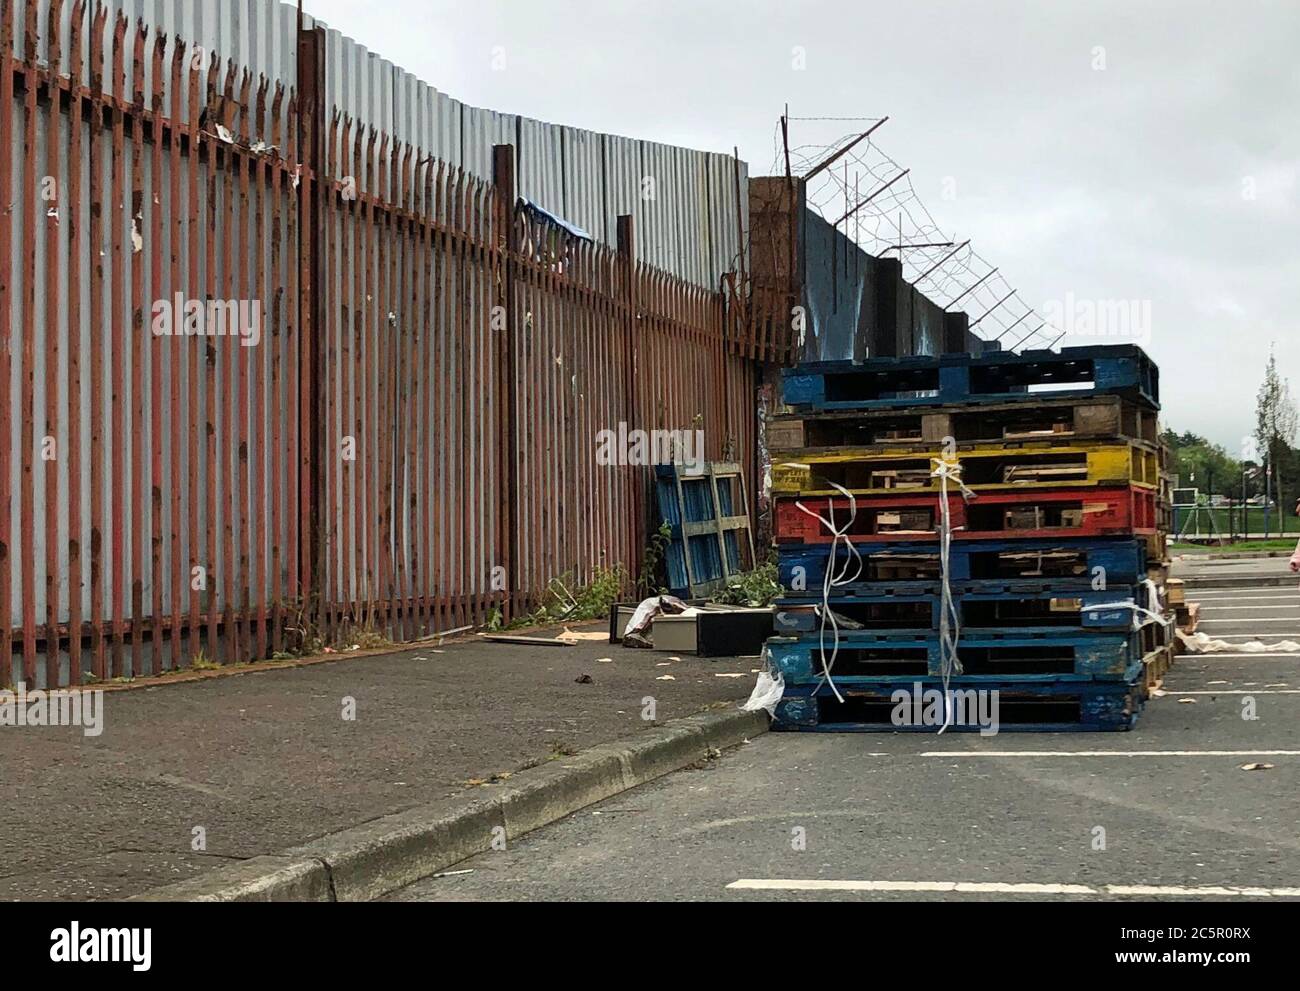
(369, 860)
(261, 879)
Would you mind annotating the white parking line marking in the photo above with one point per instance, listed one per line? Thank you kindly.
(1231, 608)
(1246, 638)
(1252, 619)
(1109, 753)
(1269, 655)
(757, 884)
(1271, 633)
(1229, 597)
(1237, 691)
(1162, 889)
(1229, 592)
(1001, 888)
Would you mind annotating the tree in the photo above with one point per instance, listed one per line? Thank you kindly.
(1197, 462)
(1275, 424)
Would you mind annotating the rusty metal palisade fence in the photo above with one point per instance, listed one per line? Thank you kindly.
(421, 408)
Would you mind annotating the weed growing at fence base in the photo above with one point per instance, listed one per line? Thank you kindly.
(754, 590)
(569, 604)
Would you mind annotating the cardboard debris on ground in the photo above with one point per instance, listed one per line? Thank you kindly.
(576, 636)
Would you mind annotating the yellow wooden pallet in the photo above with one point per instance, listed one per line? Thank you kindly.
(983, 467)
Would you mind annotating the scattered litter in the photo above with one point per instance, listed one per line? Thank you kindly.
(493, 779)
(1203, 643)
(663, 664)
(562, 596)
(224, 134)
(585, 679)
(637, 627)
(1216, 683)
(452, 873)
(1187, 701)
(767, 693)
(666, 677)
(1257, 767)
(729, 675)
(604, 660)
(675, 660)
(445, 634)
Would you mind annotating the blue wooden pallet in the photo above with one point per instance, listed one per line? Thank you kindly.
(920, 610)
(1066, 707)
(998, 377)
(707, 565)
(1123, 561)
(868, 657)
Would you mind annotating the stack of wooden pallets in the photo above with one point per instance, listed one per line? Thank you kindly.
(1054, 473)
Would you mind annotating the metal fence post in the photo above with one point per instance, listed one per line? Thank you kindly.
(626, 236)
(503, 179)
(311, 458)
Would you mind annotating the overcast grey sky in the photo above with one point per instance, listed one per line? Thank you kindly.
(1168, 176)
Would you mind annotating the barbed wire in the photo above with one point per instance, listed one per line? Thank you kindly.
(870, 197)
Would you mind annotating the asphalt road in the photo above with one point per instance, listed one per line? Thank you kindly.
(907, 816)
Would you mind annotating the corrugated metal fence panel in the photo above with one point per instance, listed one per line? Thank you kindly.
(622, 184)
(655, 243)
(584, 183)
(541, 165)
(694, 213)
(728, 242)
(480, 131)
